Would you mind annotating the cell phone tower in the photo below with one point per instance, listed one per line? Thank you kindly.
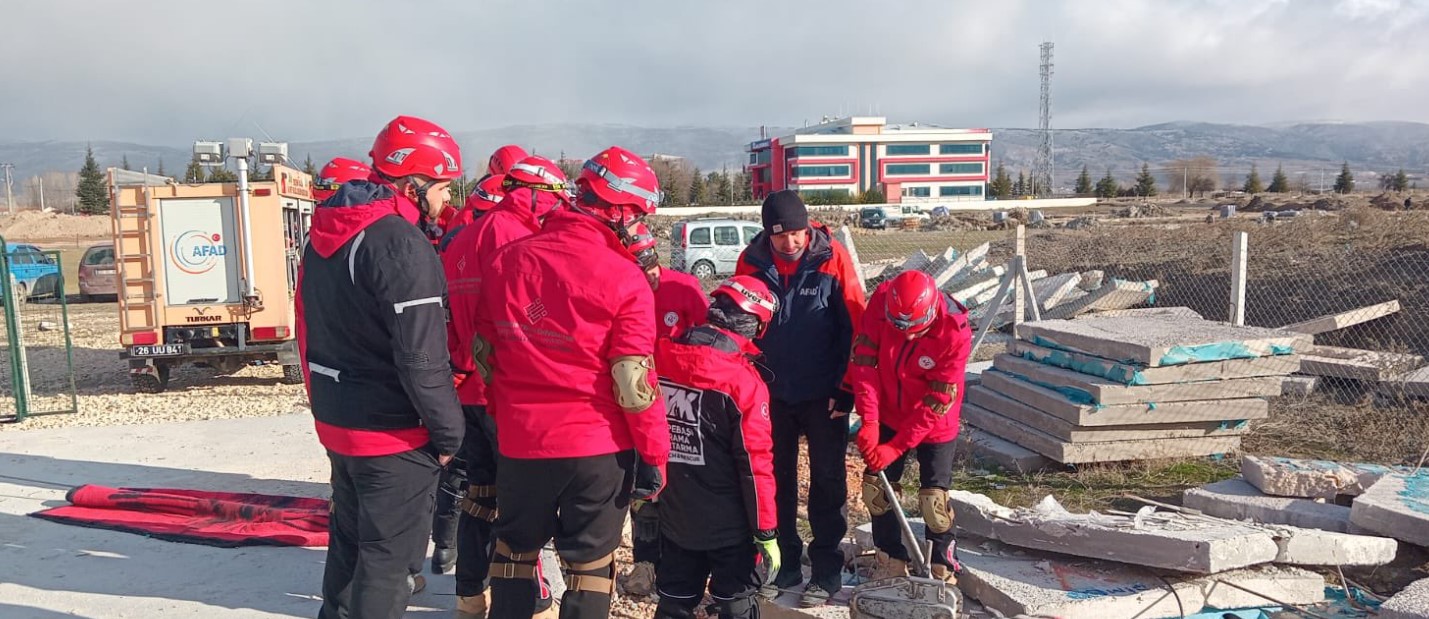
(1042, 173)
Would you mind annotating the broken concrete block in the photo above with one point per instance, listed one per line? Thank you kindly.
(1414, 383)
(978, 284)
(1092, 280)
(1052, 291)
(1159, 341)
(1412, 602)
(916, 261)
(1238, 500)
(1083, 413)
(1062, 430)
(1354, 364)
(1164, 312)
(973, 373)
(1286, 584)
(1110, 451)
(1334, 322)
(1118, 295)
(962, 266)
(1299, 546)
(985, 300)
(1132, 374)
(1010, 456)
(1097, 390)
(871, 273)
(1310, 478)
(1298, 386)
(1396, 506)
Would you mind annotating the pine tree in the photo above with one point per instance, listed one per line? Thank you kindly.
(697, 188)
(1001, 186)
(1145, 182)
(195, 172)
(1107, 186)
(124, 162)
(1279, 183)
(309, 168)
(222, 175)
(1401, 181)
(258, 172)
(1345, 182)
(1020, 188)
(93, 196)
(1084, 182)
(717, 188)
(1252, 182)
(160, 170)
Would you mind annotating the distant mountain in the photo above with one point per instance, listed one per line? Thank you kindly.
(1302, 147)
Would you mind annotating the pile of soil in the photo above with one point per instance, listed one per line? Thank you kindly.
(36, 225)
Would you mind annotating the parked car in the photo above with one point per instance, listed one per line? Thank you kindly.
(710, 247)
(872, 217)
(97, 275)
(28, 266)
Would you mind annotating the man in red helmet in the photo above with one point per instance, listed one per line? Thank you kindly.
(909, 356)
(503, 158)
(806, 350)
(371, 333)
(335, 173)
(720, 517)
(680, 303)
(566, 333)
(485, 194)
(535, 186)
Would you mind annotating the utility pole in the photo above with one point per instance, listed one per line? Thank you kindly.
(9, 182)
(1185, 181)
(1042, 173)
(41, 182)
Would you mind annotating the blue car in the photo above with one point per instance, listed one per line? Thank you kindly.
(28, 266)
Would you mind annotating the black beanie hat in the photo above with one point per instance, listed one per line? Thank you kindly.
(784, 211)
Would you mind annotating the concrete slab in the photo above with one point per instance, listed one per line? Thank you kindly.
(1097, 390)
(961, 267)
(1062, 430)
(1412, 602)
(1285, 584)
(917, 260)
(1092, 280)
(1415, 383)
(1132, 374)
(1352, 363)
(973, 373)
(1334, 322)
(1165, 312)
(1112, 451)
(979, 283)
(1238, 500)
(984, 446)
(985, 300)
(1299, 546)
(1053, 291)
(1087, 415)
(1295, 477)
(1155, 341)
(1395, 506)
(1115, 296)
(1298, 386)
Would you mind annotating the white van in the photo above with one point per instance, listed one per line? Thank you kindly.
(709, 248)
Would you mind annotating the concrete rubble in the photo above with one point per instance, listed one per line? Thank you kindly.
(1410, 603)
(1293, 477)
(1396, 506)
(1354, 364)
(1236, 499)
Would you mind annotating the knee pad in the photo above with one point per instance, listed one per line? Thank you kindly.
(933, 502)
(480, 502)
(513, 565)
(877, 502)
(596, 576)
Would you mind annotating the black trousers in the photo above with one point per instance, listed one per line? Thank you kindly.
(682, 574)
(935, 470)
(475, 540)
(448, 507)
(581, 503)
(828, 486)
(381, 518)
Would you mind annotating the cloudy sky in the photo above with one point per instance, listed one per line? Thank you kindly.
(169, 70)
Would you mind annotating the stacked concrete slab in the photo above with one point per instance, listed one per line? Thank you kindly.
(1131, 387)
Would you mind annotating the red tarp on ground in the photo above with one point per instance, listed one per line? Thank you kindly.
(223, 519)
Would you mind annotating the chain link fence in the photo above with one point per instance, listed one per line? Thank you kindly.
(37, 355)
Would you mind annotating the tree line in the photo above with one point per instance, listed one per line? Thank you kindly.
(1196, 176)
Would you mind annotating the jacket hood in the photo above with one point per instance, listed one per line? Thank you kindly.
(707, 350)
(355, 206)
(818, 251)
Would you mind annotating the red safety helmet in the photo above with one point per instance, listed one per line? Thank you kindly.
(409, 145)
(619, 187)
(337, 172)
(912, 301)
(642, 246)
(504, 157)
(752, 296)
(536, 172)
(486, 195)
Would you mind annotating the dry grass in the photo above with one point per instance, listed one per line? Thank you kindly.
(1100, 486)
(1343, 424)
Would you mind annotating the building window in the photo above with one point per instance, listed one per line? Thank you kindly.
(917, 192)
(960, 149)
(909, 149)
(960, 190)
(821, 151)
(908, 169)
(960, 168)
(762, 156)
(805, 171)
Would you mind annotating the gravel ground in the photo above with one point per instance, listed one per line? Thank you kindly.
(105, 395)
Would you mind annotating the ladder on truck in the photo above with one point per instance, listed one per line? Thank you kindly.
(133, 252)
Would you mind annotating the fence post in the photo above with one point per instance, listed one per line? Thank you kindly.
(1238, 264)
(1019, 300)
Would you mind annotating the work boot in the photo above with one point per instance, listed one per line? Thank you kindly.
(944, 573)
(640, 581)
(417, 582)
(814, 596)
(444, 560)
(472, 606)
(888, 567)
(789, 576)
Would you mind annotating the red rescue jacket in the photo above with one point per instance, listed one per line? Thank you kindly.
(721, 467)
(465, 261)
(680, 303)
(557, 307)
(903, 383)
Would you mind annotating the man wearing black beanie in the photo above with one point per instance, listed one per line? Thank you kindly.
(807, 349)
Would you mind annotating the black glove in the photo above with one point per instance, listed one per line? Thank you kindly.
(645, 524)
(842, 402)
(649, 479)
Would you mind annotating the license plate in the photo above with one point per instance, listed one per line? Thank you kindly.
(158, 350)
(105, 273)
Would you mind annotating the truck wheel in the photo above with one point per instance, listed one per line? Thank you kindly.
(149, 383)
(292, 375)
(703, 270)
